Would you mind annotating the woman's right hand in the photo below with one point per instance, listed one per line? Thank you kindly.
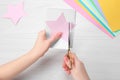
(78, 70)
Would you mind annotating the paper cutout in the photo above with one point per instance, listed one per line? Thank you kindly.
(15, 12)
(79, 8)
(60, 25)
(88, 5)
(111, 10)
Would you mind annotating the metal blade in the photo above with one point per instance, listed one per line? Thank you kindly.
(69, 37)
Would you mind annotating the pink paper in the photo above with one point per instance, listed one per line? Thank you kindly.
(59, 25)
(15, 12)
(86, 15)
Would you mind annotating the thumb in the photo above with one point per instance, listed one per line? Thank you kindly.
(55, 37)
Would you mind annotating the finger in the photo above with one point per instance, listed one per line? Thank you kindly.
(55, 37)
(66, 68)
(65, 65)
(68, 72)
(68, 63)
(42, 35)
(73, 59)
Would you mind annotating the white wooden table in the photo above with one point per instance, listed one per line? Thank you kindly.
(100, 54)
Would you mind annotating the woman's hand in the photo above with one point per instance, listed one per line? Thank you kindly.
(11, 69)
(78, 70)
(42, 43)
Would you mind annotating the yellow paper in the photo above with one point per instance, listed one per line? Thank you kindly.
(111, 10)
(77, 1)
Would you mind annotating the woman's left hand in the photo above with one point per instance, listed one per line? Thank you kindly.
(42, 44)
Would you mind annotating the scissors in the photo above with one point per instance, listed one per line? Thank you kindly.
(69, 48)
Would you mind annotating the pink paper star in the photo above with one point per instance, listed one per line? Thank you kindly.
(15, 12)
(60, 25)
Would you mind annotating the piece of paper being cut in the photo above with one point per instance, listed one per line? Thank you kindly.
(59, 23)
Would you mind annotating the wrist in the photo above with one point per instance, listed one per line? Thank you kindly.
(78, 77)
(81, 76)
(36, 53)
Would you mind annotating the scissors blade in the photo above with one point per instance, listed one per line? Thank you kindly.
(69, 37)
(69, 45)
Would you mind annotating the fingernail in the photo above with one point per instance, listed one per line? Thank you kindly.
(59, 34)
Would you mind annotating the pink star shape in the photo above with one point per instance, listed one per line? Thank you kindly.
(15, 12)
(60, 25)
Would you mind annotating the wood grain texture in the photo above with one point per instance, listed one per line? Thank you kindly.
(99, 53)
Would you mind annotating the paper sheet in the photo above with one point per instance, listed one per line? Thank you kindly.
(57, 21)
(111, 10)
(59, 25)
(97, 6)
(86, 15)
(88, 5)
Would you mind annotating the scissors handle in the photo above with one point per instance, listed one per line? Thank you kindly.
(70, 60)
